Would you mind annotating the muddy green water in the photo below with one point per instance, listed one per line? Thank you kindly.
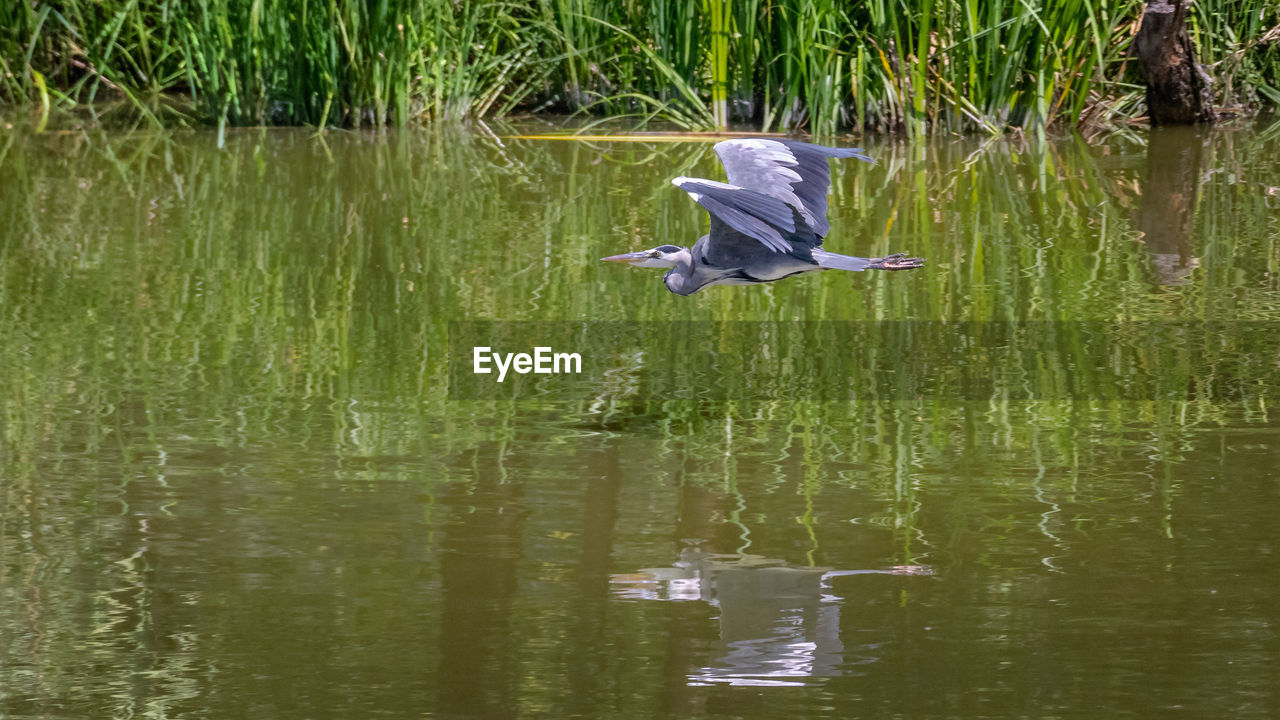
(246, 469)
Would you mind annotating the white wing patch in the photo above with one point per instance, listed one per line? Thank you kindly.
(697, 196)
(680, 181)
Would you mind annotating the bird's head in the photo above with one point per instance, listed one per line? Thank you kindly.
(663, 256)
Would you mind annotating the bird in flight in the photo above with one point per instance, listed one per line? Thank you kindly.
(767, 222)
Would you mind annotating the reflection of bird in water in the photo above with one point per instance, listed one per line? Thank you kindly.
(779, 624)
(767, 222)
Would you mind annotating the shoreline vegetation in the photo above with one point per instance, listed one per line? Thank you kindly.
(817, 66)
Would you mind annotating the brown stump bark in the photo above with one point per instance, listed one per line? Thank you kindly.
(1177, 89)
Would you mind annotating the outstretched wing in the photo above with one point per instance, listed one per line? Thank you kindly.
(754, 214)
(794, 172)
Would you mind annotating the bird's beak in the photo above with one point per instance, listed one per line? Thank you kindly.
(629, 258)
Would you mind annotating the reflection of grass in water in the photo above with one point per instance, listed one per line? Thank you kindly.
(251, 286)
(278, 312)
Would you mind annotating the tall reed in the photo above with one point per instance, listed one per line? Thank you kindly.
(816, 65)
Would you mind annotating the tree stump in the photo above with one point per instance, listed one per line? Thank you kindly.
(1177, 89)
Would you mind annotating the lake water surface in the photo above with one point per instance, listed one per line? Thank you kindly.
(247, 470)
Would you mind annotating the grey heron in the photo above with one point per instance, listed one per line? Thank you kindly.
(767, 222)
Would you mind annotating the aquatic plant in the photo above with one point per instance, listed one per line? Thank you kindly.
(816, 65)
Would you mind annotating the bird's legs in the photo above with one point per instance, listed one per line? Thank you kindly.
(896, 261)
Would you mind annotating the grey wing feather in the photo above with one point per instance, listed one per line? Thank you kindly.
(726, 247)
(751, 213)
(792, 171)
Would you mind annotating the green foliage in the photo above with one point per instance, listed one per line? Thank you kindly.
(816, 65)
(344, 62)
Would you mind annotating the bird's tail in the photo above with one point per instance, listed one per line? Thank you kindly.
(835, 261)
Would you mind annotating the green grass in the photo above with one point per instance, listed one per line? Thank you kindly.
(821, 66)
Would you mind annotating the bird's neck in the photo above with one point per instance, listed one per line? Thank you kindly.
(681, 279)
